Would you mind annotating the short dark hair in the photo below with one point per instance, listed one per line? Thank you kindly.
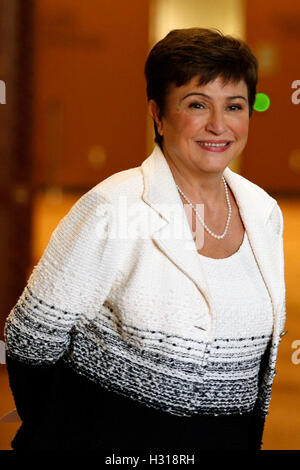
(185, 53)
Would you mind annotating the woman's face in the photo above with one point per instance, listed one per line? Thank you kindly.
(209, 113)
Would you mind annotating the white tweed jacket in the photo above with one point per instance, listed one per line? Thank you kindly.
(120, 274)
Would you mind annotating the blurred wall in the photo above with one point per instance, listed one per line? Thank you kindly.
(75, 114)
(16, 65)
(272, 156)
(90, 118)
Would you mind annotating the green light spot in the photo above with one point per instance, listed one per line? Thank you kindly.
(262, 102)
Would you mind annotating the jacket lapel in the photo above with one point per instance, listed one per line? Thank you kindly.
(175, 238)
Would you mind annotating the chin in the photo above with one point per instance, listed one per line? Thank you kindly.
(211, 169)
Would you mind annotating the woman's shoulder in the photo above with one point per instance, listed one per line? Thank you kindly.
(101, 198)
(262, 203)
(127, 183)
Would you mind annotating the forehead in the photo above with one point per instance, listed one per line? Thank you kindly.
(216, 87)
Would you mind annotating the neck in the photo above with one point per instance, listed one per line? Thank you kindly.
(198, 186)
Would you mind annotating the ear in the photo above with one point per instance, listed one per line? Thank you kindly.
(155, 114)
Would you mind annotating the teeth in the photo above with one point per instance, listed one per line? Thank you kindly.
(213, 145)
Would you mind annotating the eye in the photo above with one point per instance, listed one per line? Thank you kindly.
(195, 105)
(235, 106)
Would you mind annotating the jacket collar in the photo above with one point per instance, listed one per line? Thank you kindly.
(255, 205)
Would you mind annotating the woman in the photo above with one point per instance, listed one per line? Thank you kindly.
(144, 326)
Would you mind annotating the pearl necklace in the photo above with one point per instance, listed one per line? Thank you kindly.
(200, 218)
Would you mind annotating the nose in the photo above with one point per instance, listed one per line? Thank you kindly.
(216, 122)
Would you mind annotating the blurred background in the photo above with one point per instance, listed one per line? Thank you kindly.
(73, 111)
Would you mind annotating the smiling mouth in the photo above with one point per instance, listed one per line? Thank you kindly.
(215, 147)
(210, 144)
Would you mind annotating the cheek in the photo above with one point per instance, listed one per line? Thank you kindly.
(241, 128)
(189, 125)
(182, 124)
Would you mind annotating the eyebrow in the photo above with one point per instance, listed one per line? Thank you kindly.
(209, 97)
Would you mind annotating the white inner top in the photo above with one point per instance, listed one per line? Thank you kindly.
(242, 301)
(244, 321)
